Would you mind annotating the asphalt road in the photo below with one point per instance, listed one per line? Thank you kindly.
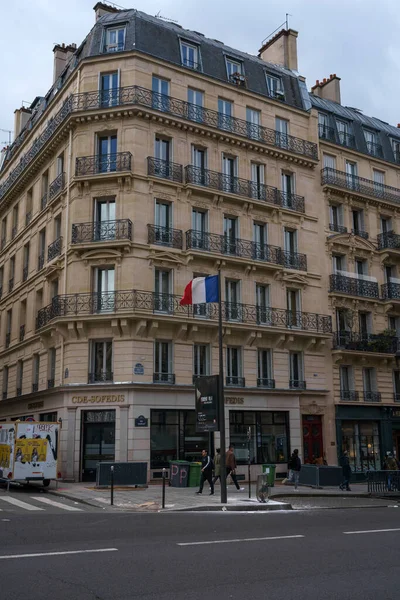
(193, 556)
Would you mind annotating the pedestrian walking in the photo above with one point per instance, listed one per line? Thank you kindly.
(231, 467)
(217, 466)
(206, 472)
(390, 464)
(346, 471)
(294, 467)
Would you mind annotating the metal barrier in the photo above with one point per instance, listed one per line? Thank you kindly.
(383, 482)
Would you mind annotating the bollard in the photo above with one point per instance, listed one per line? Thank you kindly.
(112, 485)
(164, 475)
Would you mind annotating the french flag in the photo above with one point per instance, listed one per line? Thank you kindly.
(201, 290)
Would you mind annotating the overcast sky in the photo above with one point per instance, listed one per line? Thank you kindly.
(356, 39)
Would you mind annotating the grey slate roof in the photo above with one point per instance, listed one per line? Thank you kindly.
(358, 122)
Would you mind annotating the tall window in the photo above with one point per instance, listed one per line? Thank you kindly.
(20, 377)
(275, 87)
(22, 320)
(288, 188)
(258, 189)
(329, 161)
(107, 153)
(232, 299)
(14, 230)
(35, 372)
(379, 182)
(234, 366)
(396, 149)
(230, 171)
(263, 304)
(344, 133)
(281, 132)
(201, 360)
(44, 190)
(104, 219)
(253, 118)
(60, 164)
(296, 371)
(293, 307)
(370, 385)
(190, 55)
(336, 218)
(1, 280)
(396, 386)
(264, 369)
(162, 290)
(386, 225)
(115, 39)
(109, 89)
(225, 113)
(5, 382)
(371, 141)
(52, 356)
(347, 383)
(160, 100)
(338, 263)
(290, 244)
(104, 288)
(233, 67)
(12, 274)
(25, 264)
(260, 237)
(196, 104)
(198, 235)
(358, 228)
(231, 229)
(101, 361)
(8, 327)
(163, 369)
(323, 126)
(351, 174)
(163, 233)
(3, 233)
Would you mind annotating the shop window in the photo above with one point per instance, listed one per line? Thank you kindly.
(50, 417)
(361, 440)
(269, 436)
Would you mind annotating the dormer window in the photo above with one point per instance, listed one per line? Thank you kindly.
(190, 56)
(115, 39)
(371, 140)
(235, 72)
(275, 88)
(396, 149)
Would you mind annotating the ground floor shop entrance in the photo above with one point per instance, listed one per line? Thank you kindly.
(312, 438)
(98, 440)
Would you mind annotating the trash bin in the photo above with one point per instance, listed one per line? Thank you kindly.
(194, 474)
(270, 471)
(179, 473)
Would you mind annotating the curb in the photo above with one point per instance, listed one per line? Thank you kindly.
(231, 507)
(73, 498)
(317, 495)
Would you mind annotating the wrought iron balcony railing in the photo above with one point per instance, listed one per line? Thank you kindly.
(164, 378)
(165, 236)
(135, 95)
(142, 302)
(54, 249)
(235, 381)
(191, 64)
(359, 185)
(365, 342)
(103, 163)
(101, 231)
(326, 133)
(22, 333)
(349, 395)
(387, 240)
(164, 169)
(220, 244)
(50, 383)
(266, 383)
(19, 391)
(35, 387)
(390, 291)
(294, 260)
(100, 376)
(374, 149)
(107, 49)
(347, 139)
(56, 186)
(40, 261)
(353, 286)
(10, 284)
(43, 201)
(337, 228)
(297, 384)
(372, 396)
(243, 187)
(360, 233)
(28, 218)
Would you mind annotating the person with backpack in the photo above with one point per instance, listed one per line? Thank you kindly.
(207, 466)
(294, 467)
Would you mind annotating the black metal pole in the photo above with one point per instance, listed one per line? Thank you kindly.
(164, 475)
(224, 493)
(248, 459)
(112, 485)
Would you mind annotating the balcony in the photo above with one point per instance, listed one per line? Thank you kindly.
(269, 384)
(50, 383)
(294, 260)
(57, 186)
(237, 79)
(43, 201)
(164, 169)
(297, 384)
(135, 95)
(100, 377)
(235, 381)
(374, 149)
(10, 284)
(346, 139)
(359, 185)
(147, 303)
(164, 236)
(354, 286)
(164, 378)
(220, 244)
(365, 342)
(54, 249)
(337, 228)
(372, 396)
(109, 48)
(349, 396)
(101, 231)
(22, 333)
(389, 240)
(326, 133)
(243, 187)
(390, 291)
(106, 163)
(40, 261)
(360, 233)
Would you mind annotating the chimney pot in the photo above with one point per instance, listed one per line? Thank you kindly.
(398, 125)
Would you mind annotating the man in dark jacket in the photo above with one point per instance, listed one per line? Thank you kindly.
(206, 472)
(230, 462)
(346, 471)
(295, 467)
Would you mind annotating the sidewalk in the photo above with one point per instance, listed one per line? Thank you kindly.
(185, 499)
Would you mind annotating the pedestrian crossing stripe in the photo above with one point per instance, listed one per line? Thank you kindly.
(57, 504)
(19, 503)
(31, 507)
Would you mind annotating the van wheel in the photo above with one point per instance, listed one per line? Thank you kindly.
(46, 482)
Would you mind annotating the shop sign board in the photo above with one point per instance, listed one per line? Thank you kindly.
(206, 395)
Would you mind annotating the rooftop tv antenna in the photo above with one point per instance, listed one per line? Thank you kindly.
(159, 16)
(285, 24)
(9, 136)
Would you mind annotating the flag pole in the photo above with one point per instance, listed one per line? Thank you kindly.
(224, 495)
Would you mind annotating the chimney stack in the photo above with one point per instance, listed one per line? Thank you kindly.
(281, 49)
(103, 9)
(21, 117)
(62, 54)
(328, 89)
